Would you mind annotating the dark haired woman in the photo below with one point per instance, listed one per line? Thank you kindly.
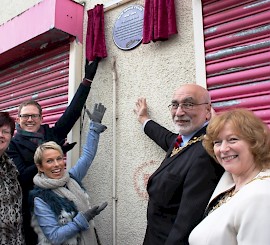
(10, 190)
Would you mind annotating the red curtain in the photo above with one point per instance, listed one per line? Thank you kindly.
(159, 20)
(95, 36)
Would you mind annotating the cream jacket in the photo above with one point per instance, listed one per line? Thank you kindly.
(243, 220)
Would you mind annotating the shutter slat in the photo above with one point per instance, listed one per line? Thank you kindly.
(29, 89)
(252, 103)
(43, 75)
(43, 78)
(37, 95)
(220, 6)
(248, 76)
(238, 38)
(35, 62)
(246, 9)
(249, 48)
(237, 25)
(237, 54)
(242, 91)
(238, 64)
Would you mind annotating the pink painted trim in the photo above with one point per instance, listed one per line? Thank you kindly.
(69, 18)
(64, 15)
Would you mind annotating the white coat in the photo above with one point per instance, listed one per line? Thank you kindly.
(243, 220)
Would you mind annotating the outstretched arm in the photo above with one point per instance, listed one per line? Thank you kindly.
(141, 110)
(90, 148)
(153, 130)
(73, 112)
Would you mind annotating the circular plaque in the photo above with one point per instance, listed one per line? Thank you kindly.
(128, 28)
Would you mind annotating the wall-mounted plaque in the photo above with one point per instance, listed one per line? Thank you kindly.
(128, 28)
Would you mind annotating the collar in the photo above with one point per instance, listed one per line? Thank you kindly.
(186, 138)
(226, 182)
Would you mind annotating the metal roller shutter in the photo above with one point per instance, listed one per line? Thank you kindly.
(237, 53)
(43, 78)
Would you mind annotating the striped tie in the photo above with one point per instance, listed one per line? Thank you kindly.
(178, 141)
(177, 145)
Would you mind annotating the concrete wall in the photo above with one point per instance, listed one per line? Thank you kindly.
(153, 71)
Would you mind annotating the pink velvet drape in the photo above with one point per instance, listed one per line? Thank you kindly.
(159, 20)
(95, 36)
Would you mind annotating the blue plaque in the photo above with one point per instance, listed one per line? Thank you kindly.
(128, 28)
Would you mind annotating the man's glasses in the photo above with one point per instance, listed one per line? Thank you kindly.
(26, 116)
(184, 106)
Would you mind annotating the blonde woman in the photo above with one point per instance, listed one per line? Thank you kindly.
(61, 206)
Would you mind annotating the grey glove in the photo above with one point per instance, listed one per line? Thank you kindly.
(90, 69)
(98, 113)
(91, 213)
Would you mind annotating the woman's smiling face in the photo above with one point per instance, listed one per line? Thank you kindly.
(5, 137)
(232, 152)
(53, 164)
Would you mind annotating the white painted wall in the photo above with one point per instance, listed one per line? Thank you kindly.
(12, 8)
(153, 71)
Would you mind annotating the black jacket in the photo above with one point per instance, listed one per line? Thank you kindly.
(21, 150)
(179, 189)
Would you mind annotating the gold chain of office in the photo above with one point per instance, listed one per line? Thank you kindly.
(190, 142)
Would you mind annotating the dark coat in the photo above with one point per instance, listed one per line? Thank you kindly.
(179, 189)
(22, 150)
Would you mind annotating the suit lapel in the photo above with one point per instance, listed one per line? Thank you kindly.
(168, 159)
(225, 183)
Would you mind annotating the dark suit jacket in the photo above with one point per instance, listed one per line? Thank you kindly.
(179, 189)
(21, 150)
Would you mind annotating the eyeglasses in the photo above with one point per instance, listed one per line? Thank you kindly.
(26, 116)
(184, 106)
(5, 132)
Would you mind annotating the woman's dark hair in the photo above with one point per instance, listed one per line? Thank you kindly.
(7, 120)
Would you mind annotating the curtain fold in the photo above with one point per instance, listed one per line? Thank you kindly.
(159, 20)
(95, 36)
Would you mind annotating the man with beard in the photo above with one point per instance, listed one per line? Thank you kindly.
(181, 187)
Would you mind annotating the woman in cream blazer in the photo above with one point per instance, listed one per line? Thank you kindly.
(238, 211)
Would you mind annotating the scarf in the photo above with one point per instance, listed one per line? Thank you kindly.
(69, 188)
(10, 204)
(35, 137)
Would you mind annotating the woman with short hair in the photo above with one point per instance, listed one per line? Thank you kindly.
(238, 211)
(10, 189)
(61, 211)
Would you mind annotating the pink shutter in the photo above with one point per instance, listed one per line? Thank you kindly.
(43, 78)
(237, 46)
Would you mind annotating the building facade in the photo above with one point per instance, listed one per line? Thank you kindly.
(210, 49)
